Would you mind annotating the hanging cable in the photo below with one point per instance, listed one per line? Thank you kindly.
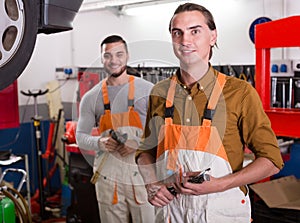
(60, 86)
(25, 205)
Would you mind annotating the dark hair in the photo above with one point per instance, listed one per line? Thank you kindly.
(188, 7)
(114, 39)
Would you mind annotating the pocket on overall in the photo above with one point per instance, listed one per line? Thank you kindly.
(228, 207)
(140, 194)
(105, 190)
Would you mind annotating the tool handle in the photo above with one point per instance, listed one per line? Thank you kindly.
(200, 178)
(98, 171)
(120, 138)
(95, 177)
(172, 190)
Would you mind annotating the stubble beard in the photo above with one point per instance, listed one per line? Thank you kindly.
(118, 74)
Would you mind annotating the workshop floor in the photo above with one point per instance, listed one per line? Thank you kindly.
(54, 220)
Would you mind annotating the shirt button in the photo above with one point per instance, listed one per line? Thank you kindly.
(201, 88)
(188, 120)
(189, 97)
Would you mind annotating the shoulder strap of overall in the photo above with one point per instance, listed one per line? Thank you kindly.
(130, 94)
(214, 97)
(169, 110)
(105, 96)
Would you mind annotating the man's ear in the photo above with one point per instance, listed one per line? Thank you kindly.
(213, 37)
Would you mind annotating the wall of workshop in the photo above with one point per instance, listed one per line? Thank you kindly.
(147, 35)
(149, 43)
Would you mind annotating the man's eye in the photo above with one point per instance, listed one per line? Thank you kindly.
(176, 33)
(120, 54)
(106, 56)
(195, 31)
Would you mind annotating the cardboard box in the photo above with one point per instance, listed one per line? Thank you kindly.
(280, 193)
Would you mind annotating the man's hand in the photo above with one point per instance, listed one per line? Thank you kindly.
(159, 195)
(206, 187)
(129, 147)
(125, 150)
(110, 145)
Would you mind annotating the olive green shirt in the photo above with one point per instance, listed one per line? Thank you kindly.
(239, 117)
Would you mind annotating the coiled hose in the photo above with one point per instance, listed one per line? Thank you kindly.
(24, 215)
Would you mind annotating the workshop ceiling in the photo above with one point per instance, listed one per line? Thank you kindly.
(117, 2)
(102, 4)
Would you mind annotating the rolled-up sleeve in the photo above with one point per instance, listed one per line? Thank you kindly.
(257, 130)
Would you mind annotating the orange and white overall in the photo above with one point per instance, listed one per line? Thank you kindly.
(196, 148)
(120, 189)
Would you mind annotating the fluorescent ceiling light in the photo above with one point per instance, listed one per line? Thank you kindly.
(96, 5)
(148, 7)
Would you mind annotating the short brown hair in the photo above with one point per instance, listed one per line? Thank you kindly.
(187, 7)
(114, 39)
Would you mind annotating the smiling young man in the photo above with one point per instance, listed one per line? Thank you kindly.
(200, 120)
(119, 103)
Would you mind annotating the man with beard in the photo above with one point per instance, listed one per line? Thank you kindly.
(117, 106)
(198, 124)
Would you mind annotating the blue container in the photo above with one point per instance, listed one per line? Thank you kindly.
(65, 198)
(291, 167)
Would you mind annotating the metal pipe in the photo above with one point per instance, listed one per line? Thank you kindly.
(283, 94)
(290, 93)
(27, 181)
(274, 88)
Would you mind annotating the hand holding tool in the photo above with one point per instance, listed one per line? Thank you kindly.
(200, 178)
(172, 190)
(120, 138)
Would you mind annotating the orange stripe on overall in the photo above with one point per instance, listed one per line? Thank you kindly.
(173, 137)
(114, 121)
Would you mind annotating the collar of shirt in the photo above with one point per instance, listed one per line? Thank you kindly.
(204, 84)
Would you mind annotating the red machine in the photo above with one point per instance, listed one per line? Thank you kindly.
(279, 33)
(9, 112)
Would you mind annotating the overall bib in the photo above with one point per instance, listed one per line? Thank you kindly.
(120, 188)
(196, 148)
